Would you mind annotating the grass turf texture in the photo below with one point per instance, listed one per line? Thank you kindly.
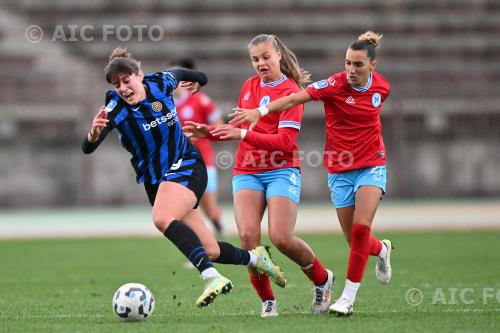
(67, 286)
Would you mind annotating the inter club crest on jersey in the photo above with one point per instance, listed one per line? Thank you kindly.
(157, 106)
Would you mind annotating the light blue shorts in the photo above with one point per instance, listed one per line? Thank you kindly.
(211, 179)
(343, 186)
(275, 183)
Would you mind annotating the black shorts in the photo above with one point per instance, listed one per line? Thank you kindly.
(191, 172)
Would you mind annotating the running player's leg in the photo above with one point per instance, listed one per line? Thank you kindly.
(217, 251)
(283, 196)
(249, 207)
(172, 204)
(346, 216)
(367, 201)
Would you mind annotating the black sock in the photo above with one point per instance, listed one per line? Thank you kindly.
(232, 255)
(189, 244)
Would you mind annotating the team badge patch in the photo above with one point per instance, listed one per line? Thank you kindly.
(376, 100)
(320, 84)
(331, 81)
(111, 105)
(265, 100)
(157, 106)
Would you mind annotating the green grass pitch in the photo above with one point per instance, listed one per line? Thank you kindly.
(67, 286)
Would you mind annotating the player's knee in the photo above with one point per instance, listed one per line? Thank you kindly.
(280, 241)
(161, 222)
(248, 239)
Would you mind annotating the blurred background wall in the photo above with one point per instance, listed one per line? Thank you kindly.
(441, 124)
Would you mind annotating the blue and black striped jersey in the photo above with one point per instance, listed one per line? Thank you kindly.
(150, 130)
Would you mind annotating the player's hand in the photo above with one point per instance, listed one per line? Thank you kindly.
(98, 124)
(227, 132)
(239, 116)
(195, 130)
(192, 87)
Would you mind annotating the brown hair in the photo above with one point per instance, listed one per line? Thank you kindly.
(368, 41)
(289, 64)
(120, 61)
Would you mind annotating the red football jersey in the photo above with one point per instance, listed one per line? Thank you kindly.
(353, 128)
(199, 108)
(255, 93)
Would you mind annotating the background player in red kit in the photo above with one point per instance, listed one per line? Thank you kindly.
(267, 171)
(201, 109)
(354, 155)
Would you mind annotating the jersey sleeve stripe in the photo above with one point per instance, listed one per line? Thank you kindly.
(292, 124)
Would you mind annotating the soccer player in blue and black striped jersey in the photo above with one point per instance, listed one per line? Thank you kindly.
(142, 110)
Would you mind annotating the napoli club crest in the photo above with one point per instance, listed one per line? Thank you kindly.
(265, 100)
(376, 100)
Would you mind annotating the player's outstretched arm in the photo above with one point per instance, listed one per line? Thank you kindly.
(97, 132)
(190, 79)
(195, 130)
(251, 115)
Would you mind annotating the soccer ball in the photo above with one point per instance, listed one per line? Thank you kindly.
(133, 302)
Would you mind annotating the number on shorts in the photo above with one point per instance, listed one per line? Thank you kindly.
(293, 178)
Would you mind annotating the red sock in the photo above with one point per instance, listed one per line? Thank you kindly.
(316, 272)
(375, 246)
(360, 250)
(262, 286)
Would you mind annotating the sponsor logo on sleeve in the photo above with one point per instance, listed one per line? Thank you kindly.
(331, 81)
(111, 105)
(320, 84)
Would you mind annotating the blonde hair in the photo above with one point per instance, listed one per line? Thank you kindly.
(121, 61)
(289, 64)
(368, 41)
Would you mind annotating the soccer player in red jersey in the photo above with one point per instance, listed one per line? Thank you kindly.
(267, 171)
(201, 109)
(354, 155)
